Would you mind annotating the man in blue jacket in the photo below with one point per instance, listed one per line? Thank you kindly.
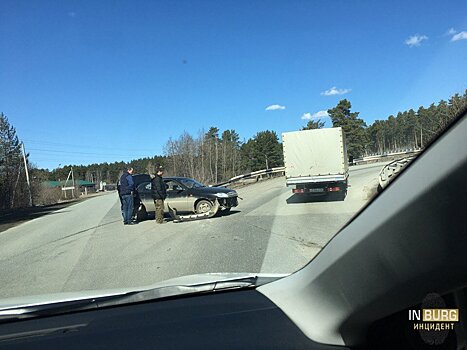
(127, 187)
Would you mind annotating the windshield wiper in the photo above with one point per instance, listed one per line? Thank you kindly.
(178, 290)
(62, 307)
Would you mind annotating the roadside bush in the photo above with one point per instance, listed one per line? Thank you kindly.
(48, 196)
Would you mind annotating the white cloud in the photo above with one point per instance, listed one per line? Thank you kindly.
(415, 40)
(335, 91)
(456, 36)
(274, 107)
(320, 114)
(459, 36)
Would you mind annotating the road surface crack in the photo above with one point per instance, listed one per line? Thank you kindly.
(292, 238)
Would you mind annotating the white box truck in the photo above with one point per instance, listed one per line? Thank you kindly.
(316, 161)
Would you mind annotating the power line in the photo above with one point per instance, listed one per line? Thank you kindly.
(87, 153)
(75, 161)
(51, 143)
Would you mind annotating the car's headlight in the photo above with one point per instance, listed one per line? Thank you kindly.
(221, 195)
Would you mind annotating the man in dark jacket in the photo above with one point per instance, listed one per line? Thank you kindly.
(159, 194)
(127, 187)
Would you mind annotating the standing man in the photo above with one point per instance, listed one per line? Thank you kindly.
(159, 194)
(120, 197)
(127, 186)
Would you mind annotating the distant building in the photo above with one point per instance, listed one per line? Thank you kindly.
(81, 185)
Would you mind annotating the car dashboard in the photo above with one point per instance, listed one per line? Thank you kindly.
(240, 319)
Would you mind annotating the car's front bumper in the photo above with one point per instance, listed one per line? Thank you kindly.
(228, 202)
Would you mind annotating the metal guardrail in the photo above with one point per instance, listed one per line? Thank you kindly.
(383, 156)
(252, 174)
(387, 174)
(391, 170)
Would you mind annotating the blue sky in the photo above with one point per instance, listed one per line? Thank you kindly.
(93, 81)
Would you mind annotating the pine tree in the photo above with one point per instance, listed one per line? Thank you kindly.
(10, 162)
(314, 124)
(353, 127)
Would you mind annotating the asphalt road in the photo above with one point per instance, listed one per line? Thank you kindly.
(86, 247)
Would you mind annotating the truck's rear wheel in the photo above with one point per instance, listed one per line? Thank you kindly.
(339, 196)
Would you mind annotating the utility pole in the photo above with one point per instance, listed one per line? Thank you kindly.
(73, 181)
(65, 187)
(27, 174)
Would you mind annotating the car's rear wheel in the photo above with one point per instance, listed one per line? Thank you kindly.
(203, 206)
(141, 214)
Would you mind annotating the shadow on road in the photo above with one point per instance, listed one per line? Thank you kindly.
(168, 218)
(12, 217)
(307, 198)
(228, 213)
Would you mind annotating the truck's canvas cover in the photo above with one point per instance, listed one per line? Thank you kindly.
(315, 152)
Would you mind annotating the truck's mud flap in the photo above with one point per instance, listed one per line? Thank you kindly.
(193, 217)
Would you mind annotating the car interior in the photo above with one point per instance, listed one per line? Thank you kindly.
(408, 244)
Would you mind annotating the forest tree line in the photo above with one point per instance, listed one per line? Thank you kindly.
(413, 129)
(406, 130)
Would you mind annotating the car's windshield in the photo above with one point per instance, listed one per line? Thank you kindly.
(287, 117)
(190, 183)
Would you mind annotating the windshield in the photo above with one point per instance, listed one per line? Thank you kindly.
(190, 183)
(299, 113)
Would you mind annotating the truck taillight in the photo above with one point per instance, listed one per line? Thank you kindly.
(334, 189)
(298, 190)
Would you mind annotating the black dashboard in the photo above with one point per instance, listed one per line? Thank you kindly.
(241, 319)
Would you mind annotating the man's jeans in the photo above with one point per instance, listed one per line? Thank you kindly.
(127, 200)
